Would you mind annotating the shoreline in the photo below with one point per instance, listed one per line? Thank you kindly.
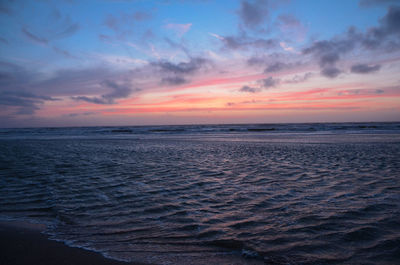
(22, 243)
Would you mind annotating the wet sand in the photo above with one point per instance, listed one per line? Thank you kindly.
(23, 244)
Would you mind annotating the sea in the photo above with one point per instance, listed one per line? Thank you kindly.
(311, 193)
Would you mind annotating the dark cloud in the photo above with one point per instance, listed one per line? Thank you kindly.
(263, 83)
(390, 23)
(270, 82)
(253, 13)
(117, 92)
(328, 53)
(24, 91)
(69, 82)
(245, 42)
(385, 36)
(339, 45)
(330, 71)
(14, 77)
(249, 89)
(270, 59)
(80, 114)
(276, 67)
(175, 80)
(328, 59)
(364, 68)
(256, 61)
(190, 67)
(299, 78)
(26, 102)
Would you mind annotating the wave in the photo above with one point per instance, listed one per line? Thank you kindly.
(306, 128)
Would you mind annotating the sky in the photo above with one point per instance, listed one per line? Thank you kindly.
(143, 62)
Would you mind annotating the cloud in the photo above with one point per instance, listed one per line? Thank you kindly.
(190, 67)
(291, 27)
(299, 78)
(269, 82)
(328, 59)
(330, 49)
(328, 53)
(385, 36)
(175, 80)
(14, 77)
(365, 68)
(125, 20)
(179, 29)
(141, 16)
(26, 102)
(122, 24)
(245, 42)
(253, 14)
(64, 52)
(117, 92)
(389, 26)
(249, 89)
(33, 37)
(54, 28)
(80, 114)
(74, 82)
(176, 73)
(255, 61)
(25, 91)
(276, 67)
(263, 83)
(178, 46)
(288, 20)
(330, 71)
(286, 47)
(216, 36)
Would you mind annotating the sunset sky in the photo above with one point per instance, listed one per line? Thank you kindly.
(141, 62)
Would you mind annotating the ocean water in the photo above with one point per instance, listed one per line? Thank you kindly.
(211, 194)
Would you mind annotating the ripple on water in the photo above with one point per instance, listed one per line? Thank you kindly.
(243, 202)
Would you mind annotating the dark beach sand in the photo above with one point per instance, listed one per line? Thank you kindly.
(23, 244)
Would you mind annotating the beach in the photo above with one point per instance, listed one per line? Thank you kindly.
(23, 243)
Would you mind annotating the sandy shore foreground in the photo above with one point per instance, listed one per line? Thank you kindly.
(23, 244)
